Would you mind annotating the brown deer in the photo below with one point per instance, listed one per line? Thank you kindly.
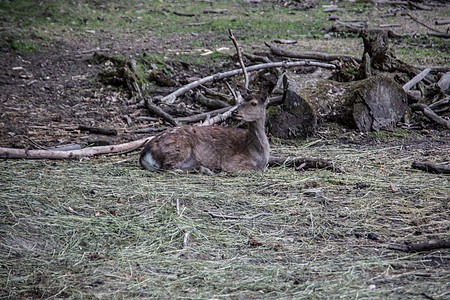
(213, 148)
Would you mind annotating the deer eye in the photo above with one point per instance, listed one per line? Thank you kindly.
(253, 104)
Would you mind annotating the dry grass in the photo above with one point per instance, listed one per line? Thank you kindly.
(105, 228)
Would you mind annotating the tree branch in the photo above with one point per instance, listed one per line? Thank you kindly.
(86, 152)
(431, 114)
(171, 97)
(312, 55)
(416, 79)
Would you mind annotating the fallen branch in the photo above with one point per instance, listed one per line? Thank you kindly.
(416, 79)
(183, 14)
(171, 97)
(201, 116)
(312, 55)
(421, 23)
(440, 106)
(440, 34)
(238, 217)
(98, 130)
(219, 118)
(153, 109)
(431, 168)
(426, 246)
(211, 103)
(86, 152)
(427, 112)
(303, 163)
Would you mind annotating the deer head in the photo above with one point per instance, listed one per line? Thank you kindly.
(252, 108)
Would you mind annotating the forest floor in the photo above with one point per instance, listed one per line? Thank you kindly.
(105, 228)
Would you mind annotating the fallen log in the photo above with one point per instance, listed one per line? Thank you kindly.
(429, 167)
(303, 163)
(420, 247)
(311, 55)
(9, 153)
(372, 104)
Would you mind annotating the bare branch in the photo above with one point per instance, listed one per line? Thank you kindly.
(219, 118)
(303, 163)
(416, 79)
(241, 62)
(86, 152)
(153, 109)
(202, 116)
(431, 114)
(171, 97)
(426, 246)
(311, 55)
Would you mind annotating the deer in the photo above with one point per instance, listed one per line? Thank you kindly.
(209, 149)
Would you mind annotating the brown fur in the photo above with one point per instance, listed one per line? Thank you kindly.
(212, 148)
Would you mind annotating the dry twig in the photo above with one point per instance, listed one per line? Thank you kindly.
(239, 217)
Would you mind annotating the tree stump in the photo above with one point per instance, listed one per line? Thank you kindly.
(295, 117)
(378, 57)
(372, 104)
(376, 103)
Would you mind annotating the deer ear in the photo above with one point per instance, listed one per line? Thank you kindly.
(244, 91)
(264, 96)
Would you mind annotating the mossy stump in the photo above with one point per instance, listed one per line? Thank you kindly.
(373, 104)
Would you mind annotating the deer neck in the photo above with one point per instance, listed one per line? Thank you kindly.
(257, 139)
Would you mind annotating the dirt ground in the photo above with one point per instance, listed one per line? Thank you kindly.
(47, 93)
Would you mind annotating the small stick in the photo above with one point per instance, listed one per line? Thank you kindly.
(239, 217)
(303, 163)
(421, 23)
(185, 244)
(178, 206)
(183, 14)
(98, 130)
(241, 62)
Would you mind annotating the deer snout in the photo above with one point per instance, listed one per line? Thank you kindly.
(234, 112)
